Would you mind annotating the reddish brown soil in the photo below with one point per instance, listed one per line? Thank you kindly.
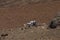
(16, 16)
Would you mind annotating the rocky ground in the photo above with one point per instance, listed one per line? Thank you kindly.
(33, 33)
(15, 13)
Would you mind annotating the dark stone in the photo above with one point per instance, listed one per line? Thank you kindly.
(2, 35)
(22, 29)
(52, 25)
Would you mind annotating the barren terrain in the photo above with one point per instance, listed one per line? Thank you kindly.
(14, 13)
(17, 15)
